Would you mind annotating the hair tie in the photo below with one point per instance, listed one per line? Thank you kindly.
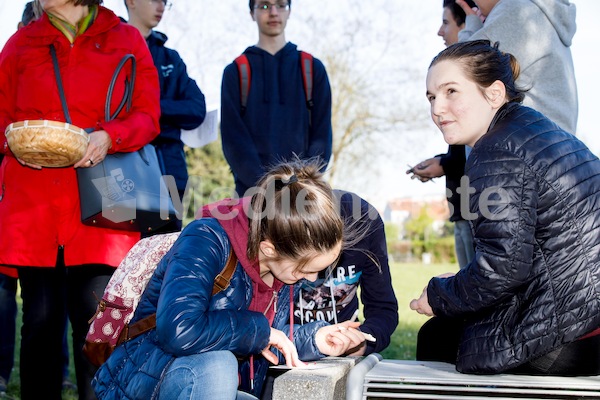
(280, 183)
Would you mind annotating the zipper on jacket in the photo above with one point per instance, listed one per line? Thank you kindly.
(272, 302)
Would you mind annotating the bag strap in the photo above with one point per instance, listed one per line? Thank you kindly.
(223, 278)
(245, 74)
(221, 282)
(61, 90)
(245, 78)
(127, 95)
(306, 65)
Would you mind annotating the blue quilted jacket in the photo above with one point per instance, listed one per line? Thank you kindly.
(189, 320)
(534, 284)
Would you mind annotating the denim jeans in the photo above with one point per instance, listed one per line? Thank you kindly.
(8, 315)
(211, 375)
(463, 243)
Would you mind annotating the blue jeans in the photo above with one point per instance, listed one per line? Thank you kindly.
(463, 243)
(210, 375)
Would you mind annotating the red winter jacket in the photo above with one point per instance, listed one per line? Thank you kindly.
(39, 209)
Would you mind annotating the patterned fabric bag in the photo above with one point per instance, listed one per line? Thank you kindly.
(121, 297)
(109, 327)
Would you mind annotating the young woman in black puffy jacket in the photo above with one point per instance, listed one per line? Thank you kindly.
(529, 302)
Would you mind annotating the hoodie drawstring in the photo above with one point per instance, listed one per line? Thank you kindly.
(292, 313)
(331, 283)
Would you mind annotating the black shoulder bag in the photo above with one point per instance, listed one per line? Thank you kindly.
(125, 191)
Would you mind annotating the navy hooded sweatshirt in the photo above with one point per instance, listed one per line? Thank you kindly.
(182, 106)
(275, 124)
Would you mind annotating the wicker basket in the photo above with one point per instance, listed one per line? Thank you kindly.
(47, 143)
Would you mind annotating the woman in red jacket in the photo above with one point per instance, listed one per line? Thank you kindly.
(41, 234)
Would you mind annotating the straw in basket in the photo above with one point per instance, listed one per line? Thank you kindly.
(47, 143)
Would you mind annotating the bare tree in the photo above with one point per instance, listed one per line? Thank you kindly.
(367, 71)
(373, 66)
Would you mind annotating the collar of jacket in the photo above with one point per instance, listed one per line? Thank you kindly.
(45, 33)
(502, 112)
(156, 38)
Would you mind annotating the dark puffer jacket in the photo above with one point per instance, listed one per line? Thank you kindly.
(534, 284)
(220, 322)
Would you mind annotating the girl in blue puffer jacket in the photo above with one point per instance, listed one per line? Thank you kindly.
(529, 302)
(208, 346)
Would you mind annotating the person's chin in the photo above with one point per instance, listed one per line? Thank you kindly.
(450, 139)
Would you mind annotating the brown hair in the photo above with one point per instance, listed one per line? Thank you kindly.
(294, 208)
(484, 64)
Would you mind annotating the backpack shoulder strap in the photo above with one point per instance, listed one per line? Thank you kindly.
(306, 65)
(245, 74)
(245, 78)
(223, 279)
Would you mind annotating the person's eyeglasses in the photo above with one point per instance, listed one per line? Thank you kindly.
(266, 7)
(165, 3)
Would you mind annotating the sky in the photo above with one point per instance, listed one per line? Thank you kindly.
(216, 32)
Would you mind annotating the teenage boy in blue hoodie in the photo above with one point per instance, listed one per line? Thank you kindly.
(182, 104)
(276, 122)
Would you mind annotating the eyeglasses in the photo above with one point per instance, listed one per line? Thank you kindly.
(266, 7)
(165, 3)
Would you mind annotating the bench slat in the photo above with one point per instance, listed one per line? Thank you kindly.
(410, 379)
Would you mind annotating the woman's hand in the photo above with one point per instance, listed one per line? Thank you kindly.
(339, 339)
(421, 305)
(26, 164)
(96, 151)
(281, 342)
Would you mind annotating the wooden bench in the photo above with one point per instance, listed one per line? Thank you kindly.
(375, 378)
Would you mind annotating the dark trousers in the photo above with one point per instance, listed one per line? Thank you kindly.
(48, 293)
(439, 338)
(8, 322)
(8, 315)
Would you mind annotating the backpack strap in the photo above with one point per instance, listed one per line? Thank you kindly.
(223, 278)
(222, 281)
(306, 65)
(245, 78)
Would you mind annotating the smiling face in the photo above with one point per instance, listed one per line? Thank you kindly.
(460, 108)
(449, 29)
(288, 271)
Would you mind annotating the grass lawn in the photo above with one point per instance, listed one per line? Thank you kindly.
(408, 280)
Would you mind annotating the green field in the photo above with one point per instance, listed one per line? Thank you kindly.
(408, 280)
